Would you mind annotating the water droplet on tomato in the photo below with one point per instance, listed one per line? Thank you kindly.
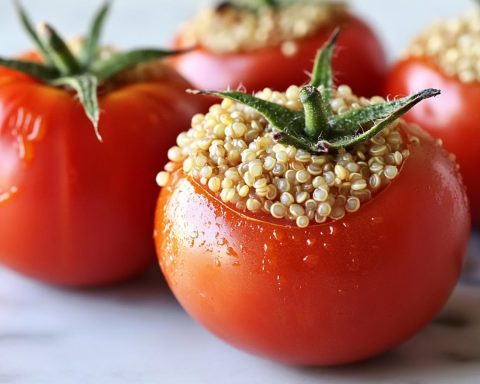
(7, 195)
(377, 220)
(353, 265)
(266, 264)
(311, 260)
(281, 282)
(311, 242)
(279, 234)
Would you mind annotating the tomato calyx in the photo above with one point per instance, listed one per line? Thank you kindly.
(84, 73)
(316, 128)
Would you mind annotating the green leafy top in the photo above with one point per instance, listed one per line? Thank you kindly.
(83, 74)
(316, 128)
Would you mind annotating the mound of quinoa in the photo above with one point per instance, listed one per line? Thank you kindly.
(231, 29)
(231, 151)
(454, 45)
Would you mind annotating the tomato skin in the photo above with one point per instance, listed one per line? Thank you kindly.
(453, 117)
(83, 211)
(329, 294)
(361, 64)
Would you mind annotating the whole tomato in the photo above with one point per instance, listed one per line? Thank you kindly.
(445, 56)
(453, 118)
(350, 280)
(362, 65)
(74, 210)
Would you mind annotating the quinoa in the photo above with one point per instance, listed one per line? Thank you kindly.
(232, 152)
(454, 45)
(233, 29)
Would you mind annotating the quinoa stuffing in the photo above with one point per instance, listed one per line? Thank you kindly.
(228, 28)
(454, 45)
(232, 151)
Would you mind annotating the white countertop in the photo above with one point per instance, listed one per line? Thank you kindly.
(136, 332)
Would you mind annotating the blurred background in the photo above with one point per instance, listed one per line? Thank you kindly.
(153, 22)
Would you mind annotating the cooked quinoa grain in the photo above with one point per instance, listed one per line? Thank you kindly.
(454, 45)
(232, 152)
(232, 29)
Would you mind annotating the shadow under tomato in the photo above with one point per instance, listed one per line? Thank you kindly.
(471, 273)
(147, 288)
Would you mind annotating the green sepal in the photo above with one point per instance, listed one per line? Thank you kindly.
(349, 122)
(403, 107)
(90, 48)
(298, 142)
(36, 70)
(28, 26)
(61, 55)
(86, 88)
(119, 62)
(322, 75)
(289, 122)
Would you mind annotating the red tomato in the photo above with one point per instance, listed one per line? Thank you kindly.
(453, 117)
(331, 293)
(75, 211)
(362, 64)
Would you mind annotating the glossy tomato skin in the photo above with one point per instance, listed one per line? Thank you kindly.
(454, 116)
(361, 64)
(75, 211)
(329, 294)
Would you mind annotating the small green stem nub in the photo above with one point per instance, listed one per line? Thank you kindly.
(61, 55)
(316, 120)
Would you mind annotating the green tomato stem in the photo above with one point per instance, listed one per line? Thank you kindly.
(316, 118)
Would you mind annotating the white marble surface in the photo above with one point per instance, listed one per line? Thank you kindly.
(136, 332)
